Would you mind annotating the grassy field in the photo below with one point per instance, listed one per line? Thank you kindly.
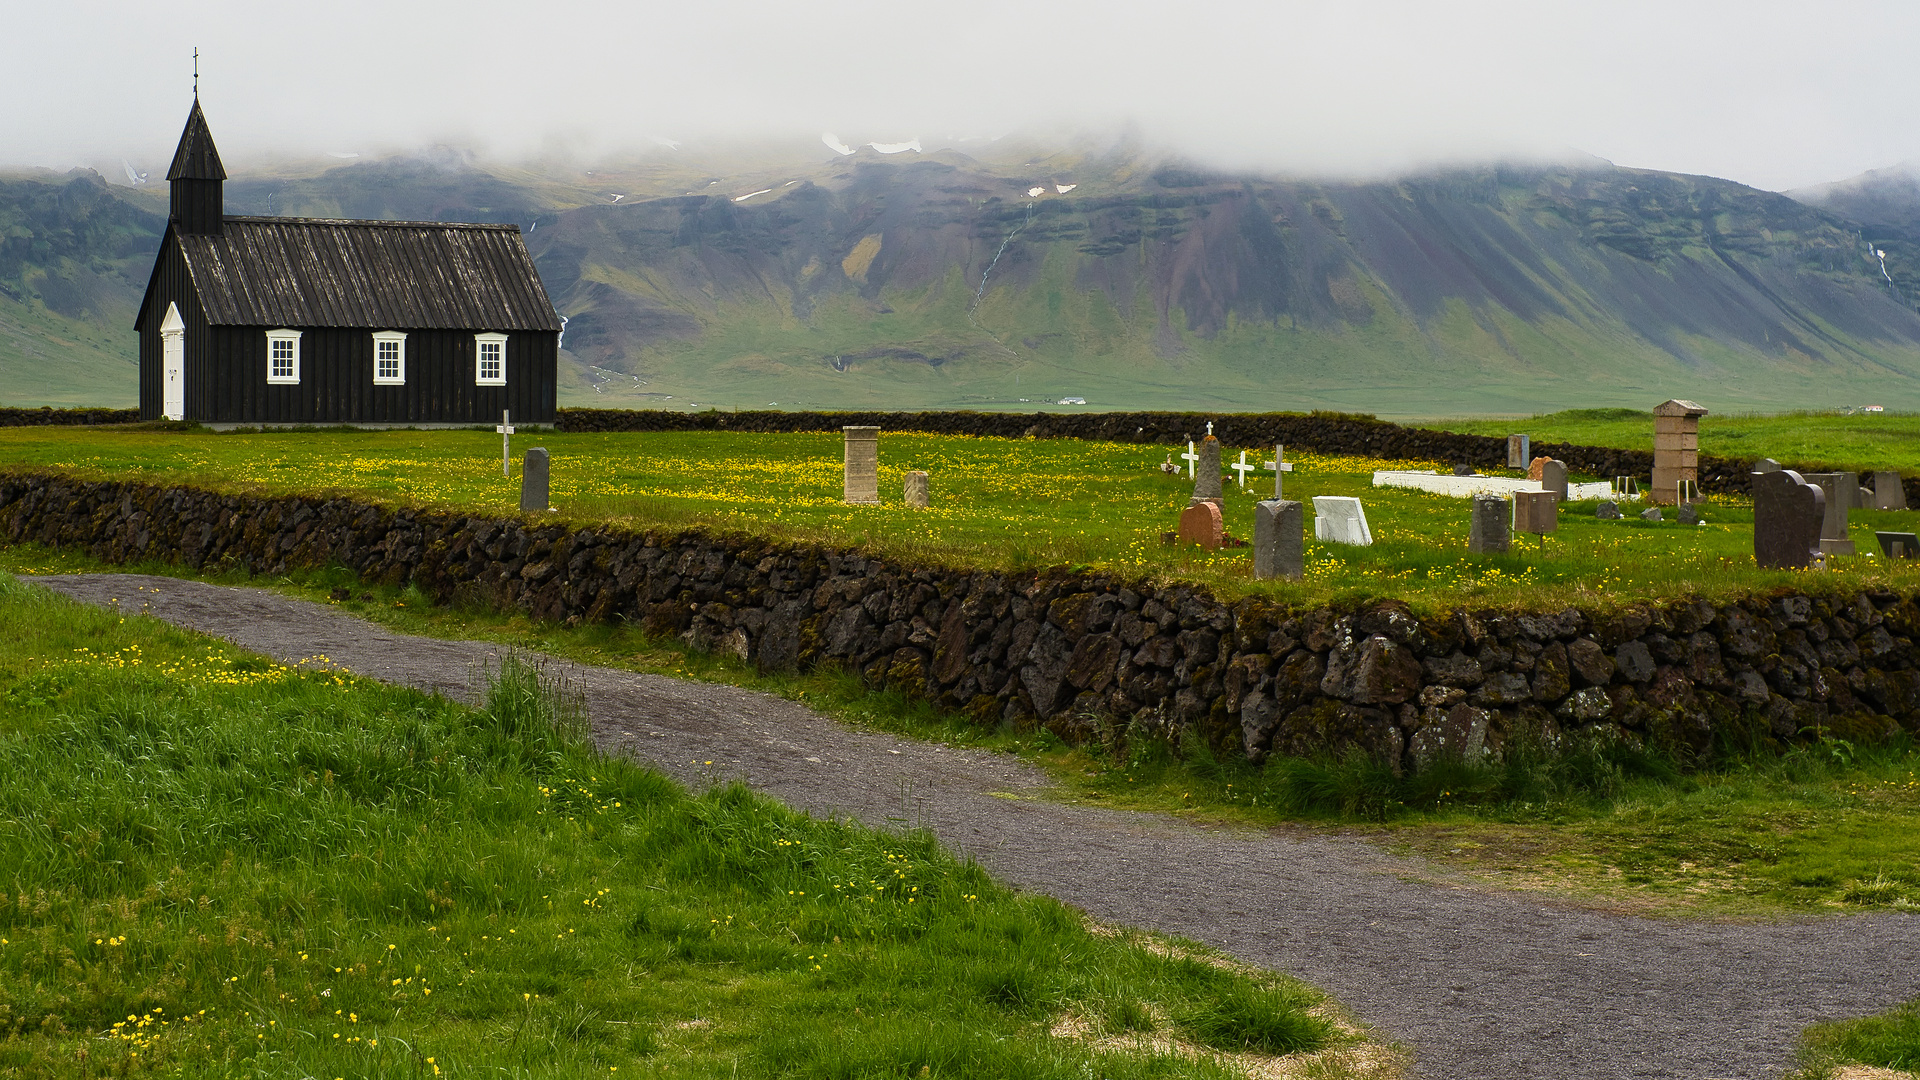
(996, 503)
(219, 866)
(1889, 1040)
(1815, 440)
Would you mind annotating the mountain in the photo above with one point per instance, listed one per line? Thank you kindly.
(1019, 275)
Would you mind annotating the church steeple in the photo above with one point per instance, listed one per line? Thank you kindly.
(197, 179)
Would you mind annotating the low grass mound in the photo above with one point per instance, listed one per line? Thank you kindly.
(1888, 1040)
(215, 865)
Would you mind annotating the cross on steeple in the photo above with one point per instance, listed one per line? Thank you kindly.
(196, 73)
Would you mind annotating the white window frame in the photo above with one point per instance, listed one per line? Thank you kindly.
(292, 337)
(399, 340)
(480, 342)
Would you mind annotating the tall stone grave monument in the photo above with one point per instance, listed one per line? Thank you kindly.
(533, 482)
(1553, 478)
(1536, 512)
(1206, 472)
(1837, 496)
(1787, 516)
(1279, 539)
(1676, 448)
(1517, 451)
(861, 478)
(915, 493)
(1492, 526)
(1888, 491)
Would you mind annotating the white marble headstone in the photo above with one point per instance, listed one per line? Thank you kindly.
(1339, 519)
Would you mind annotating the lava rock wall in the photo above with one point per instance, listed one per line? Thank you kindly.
(1087, 655)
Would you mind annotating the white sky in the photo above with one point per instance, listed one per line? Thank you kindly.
(1770, 93)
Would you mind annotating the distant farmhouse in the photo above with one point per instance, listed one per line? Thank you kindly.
(254, 320)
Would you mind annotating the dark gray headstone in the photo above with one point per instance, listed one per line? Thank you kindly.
(1464, 470)
(1838, 492)
(1651, 513)
(1607, 511)
(1279, 539)
(1787, 515)
(1898, 545)
(1206, 473)
(1553, 477)
(1492, 526)
(533, 482)
(1889, 492)
(1766, 464)
(1687, 514)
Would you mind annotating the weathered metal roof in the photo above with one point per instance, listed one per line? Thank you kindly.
(394, 275)
(196, 158)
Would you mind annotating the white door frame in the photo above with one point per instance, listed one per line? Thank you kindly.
(173, 365)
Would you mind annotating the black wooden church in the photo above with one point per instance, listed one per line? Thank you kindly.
(253, 320)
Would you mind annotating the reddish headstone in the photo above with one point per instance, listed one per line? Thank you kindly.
(1200, 524)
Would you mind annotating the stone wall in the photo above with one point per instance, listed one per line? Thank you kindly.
(1078, 653)
(47, 415)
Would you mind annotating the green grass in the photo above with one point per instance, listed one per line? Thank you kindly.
(1828, 828)
(218, 866)
(997, 503)
(1818, 441)
(1888, 1040)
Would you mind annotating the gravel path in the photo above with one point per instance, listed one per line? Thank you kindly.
(1478, 983)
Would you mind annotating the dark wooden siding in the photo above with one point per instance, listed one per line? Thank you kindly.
(171, 283)
(336, 380)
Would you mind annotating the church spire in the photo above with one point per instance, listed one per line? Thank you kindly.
(197, 179)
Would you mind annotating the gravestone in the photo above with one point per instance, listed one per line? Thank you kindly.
(1465, 470)
(1898, 545)
(1492, 531)
(1200, 524)
(505, 428)
(1517, 451)
(1553, 478)
(1607, 511)
(1535, 467)
(1651, 513)
(1836, 498)
(1279, 467)
(1676, 448)
(1241, 468)
(1340, 519)
(915, 494)
(1206, 474)
(861, 470)
(1889, 493)
(1279, 539)
(1688, 515)
(1788, 514)
(1766, 464)
(1535, 512)
(533, 481)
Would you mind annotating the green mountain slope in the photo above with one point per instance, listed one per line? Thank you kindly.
(944, 280)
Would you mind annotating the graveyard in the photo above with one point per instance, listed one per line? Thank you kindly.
(1000, 504)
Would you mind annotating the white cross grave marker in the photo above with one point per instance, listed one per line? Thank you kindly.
(1190, 457)
(506, 450)
(1277, 466)
(1243, 469)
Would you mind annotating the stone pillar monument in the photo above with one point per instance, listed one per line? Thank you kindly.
(861, 478)
(1279, 539)
(533, 482)
(915, 491)
(1206, 473)
(1676, 449)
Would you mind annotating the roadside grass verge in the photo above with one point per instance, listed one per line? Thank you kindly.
(1002, 504)
(215, 865)
(1831, 827)
(1887, 1040)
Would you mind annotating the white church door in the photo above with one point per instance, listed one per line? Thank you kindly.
(173, 365)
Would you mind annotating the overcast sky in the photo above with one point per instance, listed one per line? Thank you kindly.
(1772, 94)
